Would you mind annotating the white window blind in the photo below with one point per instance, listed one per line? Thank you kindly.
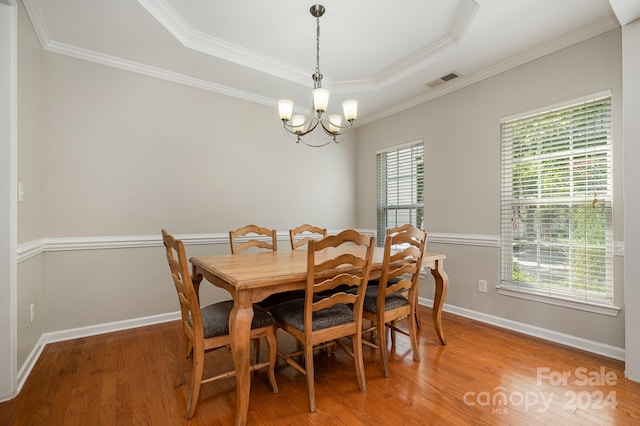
(556, 226)
(400, 188)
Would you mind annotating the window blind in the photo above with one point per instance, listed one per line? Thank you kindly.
(556, 202)
(400, 188)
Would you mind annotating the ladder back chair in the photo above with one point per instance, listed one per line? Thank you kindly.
(207, 328)
(320, 319)
(252, 234)
(304, 233)
(376, 282)
(395, 298)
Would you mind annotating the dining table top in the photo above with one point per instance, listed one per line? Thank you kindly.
(262, 269)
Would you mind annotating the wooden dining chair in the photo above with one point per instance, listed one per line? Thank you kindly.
(304, 233)
(376, 282)
(206, 329)
(320, 319)
(252, 234)
(395, 298)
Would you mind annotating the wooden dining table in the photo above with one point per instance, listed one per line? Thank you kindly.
(251, 277)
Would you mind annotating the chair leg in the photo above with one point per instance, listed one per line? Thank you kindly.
(359, 361)
(272, 343)
(382, 345)
(393, 334)
(256, 348)
(308, 366)
(413, 336)
(415, 311)
(196, 379)
(182, 361)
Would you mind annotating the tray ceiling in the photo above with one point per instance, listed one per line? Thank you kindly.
(382, 53)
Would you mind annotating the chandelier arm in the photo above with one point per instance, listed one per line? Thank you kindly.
(316, 146)
(339, 126)
(312, 127)
(339, 133)
(297, 139)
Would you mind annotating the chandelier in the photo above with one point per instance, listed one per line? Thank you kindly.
(299, 125)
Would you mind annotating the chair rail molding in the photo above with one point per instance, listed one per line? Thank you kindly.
(33, 248)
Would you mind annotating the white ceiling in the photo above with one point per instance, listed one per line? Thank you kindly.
(381, 53)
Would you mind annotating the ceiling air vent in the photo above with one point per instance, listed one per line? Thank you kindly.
(442, 79)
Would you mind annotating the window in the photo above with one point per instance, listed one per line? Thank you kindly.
(556, 227)
(400, 187)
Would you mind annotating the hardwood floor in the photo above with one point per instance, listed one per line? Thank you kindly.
(125, 378)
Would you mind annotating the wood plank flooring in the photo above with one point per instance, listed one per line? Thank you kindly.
(483, 376)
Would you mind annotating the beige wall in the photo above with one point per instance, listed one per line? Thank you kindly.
(31, 93)
(93, 287)
(128, 154)
(462, 174)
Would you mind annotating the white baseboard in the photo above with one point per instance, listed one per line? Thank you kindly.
(542, 333)
(29, 363)
(93, 330)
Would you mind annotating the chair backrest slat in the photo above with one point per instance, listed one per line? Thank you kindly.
(304, 233)
(253, 231)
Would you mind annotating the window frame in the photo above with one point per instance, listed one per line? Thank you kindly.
(415, 208)
(543, 291)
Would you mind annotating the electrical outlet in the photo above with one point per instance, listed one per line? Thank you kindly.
(32, 312)
(482, 286)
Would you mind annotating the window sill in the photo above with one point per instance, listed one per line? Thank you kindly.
(573, 304)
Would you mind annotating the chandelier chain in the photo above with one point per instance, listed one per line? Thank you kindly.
(318, 45)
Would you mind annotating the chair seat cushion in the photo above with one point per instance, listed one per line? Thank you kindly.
(390, 281)
(393, 300)
(215, 318)
(292, 313)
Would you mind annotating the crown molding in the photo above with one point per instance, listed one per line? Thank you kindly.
(600, 27)
(124, 64)
(213, 46)
(626, 11)
(38, 21)
(164, 14)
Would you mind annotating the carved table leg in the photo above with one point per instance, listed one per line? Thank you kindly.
(240, 330)
(442, 285)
